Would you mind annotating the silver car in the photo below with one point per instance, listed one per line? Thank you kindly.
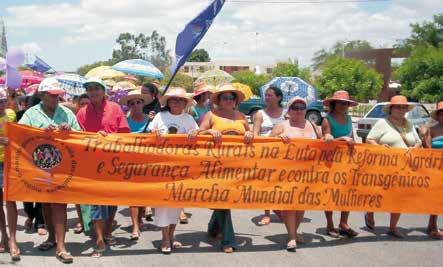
(418, 116)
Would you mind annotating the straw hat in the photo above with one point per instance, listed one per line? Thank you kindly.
(176, 92)
(340, 95)
(296, 99)
(227, 87)
(134, 94)
(397, 100)
(439, 107)
(203, 88)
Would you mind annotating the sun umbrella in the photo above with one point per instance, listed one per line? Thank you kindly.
(109, 82)
(215, 77)
(247, 91)
(124, 85)
(139, 67)
(291, 87)
(32, 89)
(29, 77)
(72, 83)
(104, 73)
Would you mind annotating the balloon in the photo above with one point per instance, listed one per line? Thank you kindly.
(15, 58)
(13, 78)
(2, 64)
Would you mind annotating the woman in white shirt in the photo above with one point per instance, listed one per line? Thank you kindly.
(265, 120)
(172, 121)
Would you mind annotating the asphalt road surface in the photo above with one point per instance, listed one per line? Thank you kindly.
(259, 245)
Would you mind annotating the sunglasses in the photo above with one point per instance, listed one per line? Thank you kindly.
(133, 103)
(228, 98)
(343, 103)
(297, 107)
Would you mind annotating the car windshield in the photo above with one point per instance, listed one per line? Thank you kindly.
(376, 112)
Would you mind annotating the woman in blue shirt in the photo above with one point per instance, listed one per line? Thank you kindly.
(338, 127)
(138, 123)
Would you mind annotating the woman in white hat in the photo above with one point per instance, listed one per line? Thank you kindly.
(174, 120)
(296, 127)
(138, 123)
(225, 119)
(393, 131)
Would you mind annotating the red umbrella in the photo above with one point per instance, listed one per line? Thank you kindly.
(29, 77)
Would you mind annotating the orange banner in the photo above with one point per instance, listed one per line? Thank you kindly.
(139, 170)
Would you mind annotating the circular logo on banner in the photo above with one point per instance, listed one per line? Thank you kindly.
(55, 162)
(47, 157)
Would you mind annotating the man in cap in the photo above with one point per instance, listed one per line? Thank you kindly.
(51, 116)
(103, 117)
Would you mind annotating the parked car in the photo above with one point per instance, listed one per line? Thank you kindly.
(314, 112)
(417, 116)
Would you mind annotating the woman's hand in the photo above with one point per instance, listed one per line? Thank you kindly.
(50, 128)
(285, 138)
(386, 145)
(64, 127)
(102, 133)
(348, 140)
(249, 136)
(192, 135)
(328, 138)
(151, 115)
(4, 141)
(216, 135)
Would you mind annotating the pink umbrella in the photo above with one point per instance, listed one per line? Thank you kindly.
(30, 90)
(29, 77)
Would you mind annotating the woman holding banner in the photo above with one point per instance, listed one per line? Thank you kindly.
(393, 131)
(434, 139)
(265, 120)
(296, 127)
(138, 123)
(51, 116)
(338, 127)
(172, 121)
(225, 120)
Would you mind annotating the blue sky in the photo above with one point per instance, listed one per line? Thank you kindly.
(71, 33)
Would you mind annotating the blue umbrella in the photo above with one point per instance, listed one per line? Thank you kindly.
(71, 83)
(139, 67)
(291, 87)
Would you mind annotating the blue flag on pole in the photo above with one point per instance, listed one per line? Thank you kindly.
(192, 34)
(36, 63)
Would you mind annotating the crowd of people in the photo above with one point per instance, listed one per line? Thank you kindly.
(208, 110)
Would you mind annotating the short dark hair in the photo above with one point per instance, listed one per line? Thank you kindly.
(278, 92)
(82, 96)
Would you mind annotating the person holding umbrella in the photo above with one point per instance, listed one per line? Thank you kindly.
(52, 116)
(103, 117)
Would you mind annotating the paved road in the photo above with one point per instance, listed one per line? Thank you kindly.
(259, 246)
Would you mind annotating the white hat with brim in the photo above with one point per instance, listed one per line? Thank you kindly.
(51, 86)
(296, 99)
(226, 88)
(134, 94)
(95, 81)
(177, 92)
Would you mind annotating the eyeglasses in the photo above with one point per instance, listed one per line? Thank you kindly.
(133, 103)
(228, 98)
(297, 107)
(343, 103)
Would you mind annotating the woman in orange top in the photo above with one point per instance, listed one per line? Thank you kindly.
(225, 119)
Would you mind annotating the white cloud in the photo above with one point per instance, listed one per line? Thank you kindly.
(31, 48)
(285, 30)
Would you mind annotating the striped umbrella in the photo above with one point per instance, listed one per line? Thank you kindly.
(139, 67)
(71, 83)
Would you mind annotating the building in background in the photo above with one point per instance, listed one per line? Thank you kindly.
(195, 69)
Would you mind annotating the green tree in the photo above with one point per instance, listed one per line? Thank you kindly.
(180, 80)
(421, 75)
(429, 33)
(285, 69)
(199, 55)
(148, 47)
(82, 70)
(352, 75)
(250, 78)
(338, 49)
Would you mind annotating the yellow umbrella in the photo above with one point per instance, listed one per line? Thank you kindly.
(109, 83)
(124, 85)
(104, 73)
(245, 89)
